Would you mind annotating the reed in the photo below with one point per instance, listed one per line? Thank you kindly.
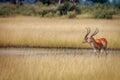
(55, 32)
(80, 67)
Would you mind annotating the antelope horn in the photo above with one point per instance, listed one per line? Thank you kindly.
(88, 32)
(96, 31)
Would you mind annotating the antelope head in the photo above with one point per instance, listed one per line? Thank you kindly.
(91, 37)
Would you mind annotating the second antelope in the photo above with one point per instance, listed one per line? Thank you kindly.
(98, 45)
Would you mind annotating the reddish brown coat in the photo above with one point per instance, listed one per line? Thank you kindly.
(100, 42)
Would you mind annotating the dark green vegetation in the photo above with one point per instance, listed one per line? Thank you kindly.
(54, 10)
(105, 11)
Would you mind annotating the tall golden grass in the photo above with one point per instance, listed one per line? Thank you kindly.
(80, 67)
(56, 32)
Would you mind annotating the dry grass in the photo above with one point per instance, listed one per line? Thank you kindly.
(55, 32)
(60, 67)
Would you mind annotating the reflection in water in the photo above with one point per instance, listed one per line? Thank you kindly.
(44, 51)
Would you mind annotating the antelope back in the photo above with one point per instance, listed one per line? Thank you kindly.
(102, 42)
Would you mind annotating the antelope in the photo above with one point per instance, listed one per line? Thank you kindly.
(98, 45)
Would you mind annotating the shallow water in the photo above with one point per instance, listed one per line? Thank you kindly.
(44, 51)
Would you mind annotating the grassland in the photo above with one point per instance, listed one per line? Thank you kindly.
(67, 67)
(56, 32)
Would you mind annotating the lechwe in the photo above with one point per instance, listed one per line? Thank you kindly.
(98, 45)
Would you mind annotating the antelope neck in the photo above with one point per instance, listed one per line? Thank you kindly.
(93, 44)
